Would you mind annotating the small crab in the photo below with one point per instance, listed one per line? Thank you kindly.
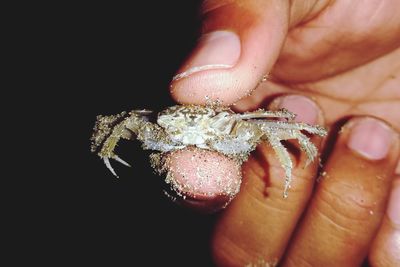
(208, 127)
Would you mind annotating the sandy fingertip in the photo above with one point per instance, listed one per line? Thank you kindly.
(202, 176)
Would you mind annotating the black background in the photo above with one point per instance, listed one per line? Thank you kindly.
(125, 58)
(84, 60)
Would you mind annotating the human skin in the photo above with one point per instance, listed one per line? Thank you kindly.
(334, 63)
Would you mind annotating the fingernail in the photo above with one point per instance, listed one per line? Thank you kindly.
(371, 138)
(394, 205)
(215, 50)
(305, 109)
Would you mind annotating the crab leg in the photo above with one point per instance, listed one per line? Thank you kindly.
(107, 150)
(305, 143)
(108, 133)
(276, 131)
(283, 157)
(282, 113)
(156, 139)
(106, 161)
(117, 158)
(108, 164)
(281, 125)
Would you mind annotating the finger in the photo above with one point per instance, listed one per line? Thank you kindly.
(201, 179)
(258, 223)
(349, 203)
(385, 250)
(346, 34)
(240, 42)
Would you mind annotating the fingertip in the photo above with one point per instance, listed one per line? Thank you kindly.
(240, 43)
(220, 85)
(393, 210)
(306, 109)
(386, 246)
(372, 138)
(204, 179)
(215, 50)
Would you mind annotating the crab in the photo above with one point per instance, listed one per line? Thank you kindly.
(208, 127)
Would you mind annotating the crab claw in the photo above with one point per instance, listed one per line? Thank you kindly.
(121, 161)
(108, 164)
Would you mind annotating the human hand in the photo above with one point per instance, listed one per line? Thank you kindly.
(343, 55)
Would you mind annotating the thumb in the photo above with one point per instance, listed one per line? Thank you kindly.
(239, 44)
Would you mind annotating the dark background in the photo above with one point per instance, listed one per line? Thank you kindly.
(80, 61)
(124, 58)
